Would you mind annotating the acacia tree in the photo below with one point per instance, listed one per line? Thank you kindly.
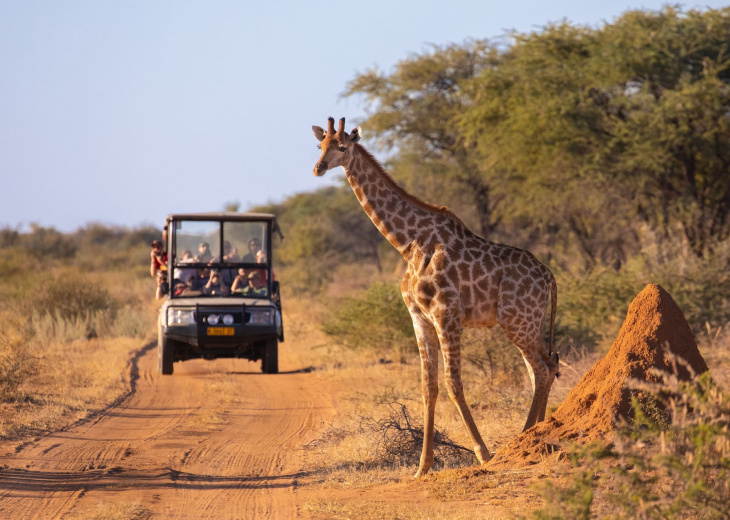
(575, 131)
(667, 97)
(612, 124)
(416, 111)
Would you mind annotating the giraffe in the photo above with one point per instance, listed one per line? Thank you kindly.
(454, 279)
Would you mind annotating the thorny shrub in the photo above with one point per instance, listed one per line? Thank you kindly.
(375, 318)
(71, 297)
(17, 364)
(392, 440)
(671, 461)
(398, 440)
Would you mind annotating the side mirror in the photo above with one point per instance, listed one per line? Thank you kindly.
(275, 288)
(164, 288)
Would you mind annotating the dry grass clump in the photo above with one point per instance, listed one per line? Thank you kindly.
(347, 509)
(70, 381)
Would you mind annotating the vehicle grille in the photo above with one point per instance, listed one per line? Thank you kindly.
(239, 316)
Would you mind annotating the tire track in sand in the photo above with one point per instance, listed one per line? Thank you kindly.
(150, 448)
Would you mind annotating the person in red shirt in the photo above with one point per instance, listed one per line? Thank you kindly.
(158, 265)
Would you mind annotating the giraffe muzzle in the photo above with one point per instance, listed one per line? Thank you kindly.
(320, 168)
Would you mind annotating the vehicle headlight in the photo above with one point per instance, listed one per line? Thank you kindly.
(227, 319)
(180, 316)
(262, 316)
(213, 319)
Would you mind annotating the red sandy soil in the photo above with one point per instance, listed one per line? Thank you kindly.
(163, 448)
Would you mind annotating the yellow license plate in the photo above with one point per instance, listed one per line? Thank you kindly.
(220, 331)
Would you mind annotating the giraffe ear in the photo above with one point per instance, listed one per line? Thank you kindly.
(356, 134)
(319, 132)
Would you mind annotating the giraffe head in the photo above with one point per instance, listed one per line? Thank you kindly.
(336, 146)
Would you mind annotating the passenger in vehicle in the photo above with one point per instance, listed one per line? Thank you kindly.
(215, 285)
(158, 265)
(187, 288)
(230, 255)
(181, 273)
(240, 282)
(256, 285)
(204, 255)
(261, 259)
(254, 246)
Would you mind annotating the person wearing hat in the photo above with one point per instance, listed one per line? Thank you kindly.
(204, 254)
(249, 284)
(256, 285)
(158, 265)
(215, 285)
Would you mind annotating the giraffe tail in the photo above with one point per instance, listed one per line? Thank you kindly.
(553, 310)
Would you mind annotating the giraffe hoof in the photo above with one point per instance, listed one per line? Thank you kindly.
(482, 453)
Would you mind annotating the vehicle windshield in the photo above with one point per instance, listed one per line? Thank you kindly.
(220, 258)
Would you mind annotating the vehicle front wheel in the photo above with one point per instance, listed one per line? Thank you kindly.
(270, 361)
(164, 354)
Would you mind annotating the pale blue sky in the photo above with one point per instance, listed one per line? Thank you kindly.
(121, 112)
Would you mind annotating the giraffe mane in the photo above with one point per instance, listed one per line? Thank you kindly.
(443, 210)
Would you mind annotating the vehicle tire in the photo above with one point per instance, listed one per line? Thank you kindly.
(164, 354)
(270, 361)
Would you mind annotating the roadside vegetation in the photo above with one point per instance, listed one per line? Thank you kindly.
(73, 307)
(605, 151)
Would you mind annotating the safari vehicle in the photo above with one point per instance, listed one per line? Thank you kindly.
(221, 300)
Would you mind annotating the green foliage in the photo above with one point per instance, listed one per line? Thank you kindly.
(577, 131)
(417, 110)
(668, 465)
(592, 304)
(45, 243)
(376, 319)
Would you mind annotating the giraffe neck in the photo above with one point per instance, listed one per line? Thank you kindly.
(398, 215)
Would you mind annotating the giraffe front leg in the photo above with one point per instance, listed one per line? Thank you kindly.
(450, 338)
(428, 350)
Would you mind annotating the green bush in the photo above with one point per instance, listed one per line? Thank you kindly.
(375, 318)
(673, 464)
(592, 304)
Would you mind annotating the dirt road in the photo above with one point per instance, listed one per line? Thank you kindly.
(215, 440)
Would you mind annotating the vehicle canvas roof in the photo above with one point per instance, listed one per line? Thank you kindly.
(222, 215)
